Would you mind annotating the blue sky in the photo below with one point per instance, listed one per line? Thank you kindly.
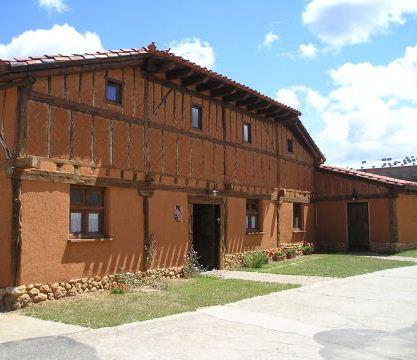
(349, 65)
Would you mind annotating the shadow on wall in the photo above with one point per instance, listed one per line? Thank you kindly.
(102, 258)
(171, 255)
(368, 343)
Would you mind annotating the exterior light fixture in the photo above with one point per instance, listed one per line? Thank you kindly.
(214, 192)
(354, 196)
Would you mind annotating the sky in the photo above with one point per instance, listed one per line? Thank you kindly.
(350, 66)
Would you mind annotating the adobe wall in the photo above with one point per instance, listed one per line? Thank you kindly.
(406, 206)
(287, 234)
(171, 237)
(237, 238)
(68, 118)
(331, 228)
(5, 230)
(46, 253)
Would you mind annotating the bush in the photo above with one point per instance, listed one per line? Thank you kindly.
(191, 265)
(254, 260)
(307, 249)
(277, 254)
(291, 251)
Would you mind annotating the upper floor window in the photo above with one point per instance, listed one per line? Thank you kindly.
(252, 215)
(86, 212)
(196, 118)
(290, 145)
(297, 216)
(247, 133)
(114, 91)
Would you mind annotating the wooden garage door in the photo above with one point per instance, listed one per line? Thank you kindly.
(358, 226)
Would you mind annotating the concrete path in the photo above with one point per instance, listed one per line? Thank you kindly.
(399, 258)
(17, 327)
(372, 316)
(273, 278)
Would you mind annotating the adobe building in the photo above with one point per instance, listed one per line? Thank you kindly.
(127, 158)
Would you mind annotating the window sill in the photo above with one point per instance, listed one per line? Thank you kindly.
(78, 240)
(298, 231)
(255, 232)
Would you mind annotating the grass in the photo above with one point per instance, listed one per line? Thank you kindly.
(330, 265)
(408, 253)
(108, 309)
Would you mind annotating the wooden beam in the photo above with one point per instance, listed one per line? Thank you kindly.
(258, 105)
(178, 73)
(236, 96)
(158, 66)
(193, 79)
(248, 101)
(222, 91)
(209, 85)
(268, 110)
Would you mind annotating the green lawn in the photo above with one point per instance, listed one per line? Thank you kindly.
(183, 295)
(408, 253)
(332, 265)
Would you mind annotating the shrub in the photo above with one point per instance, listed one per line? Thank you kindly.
(254, 260)
(277, 254)
(307, 249)
(291, 251)
(191, 265)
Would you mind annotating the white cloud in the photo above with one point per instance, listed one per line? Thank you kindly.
(346, 22)
(288, 96)
(371, 112)
(269, 39)
(51, 6)
(195, 50)
(307, 50)
(60, 39)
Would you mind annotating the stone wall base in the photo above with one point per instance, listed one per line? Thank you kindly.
(14, 298)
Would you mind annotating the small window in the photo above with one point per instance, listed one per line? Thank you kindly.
(252, 215)
(247, 133)
(290, 145)
(196, 121)
(86, 212)
(114, 92)
(297, 216)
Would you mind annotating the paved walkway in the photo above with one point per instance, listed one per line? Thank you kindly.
(273, 278)
(395, 257)
(371, 316)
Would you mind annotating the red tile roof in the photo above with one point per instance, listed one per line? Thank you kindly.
(18, 64)
(369, 176)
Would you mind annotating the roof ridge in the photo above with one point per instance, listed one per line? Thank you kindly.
(151, 49)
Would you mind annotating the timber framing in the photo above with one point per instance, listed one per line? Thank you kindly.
(114, 115)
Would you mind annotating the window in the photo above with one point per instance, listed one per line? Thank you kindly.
(86, 212)
(114, 91)
(247, 133)
(297, 217)
(290, 145)
(252, 215)
(196, 121)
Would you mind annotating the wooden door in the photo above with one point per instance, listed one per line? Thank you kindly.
(206, 234)
(358, 226)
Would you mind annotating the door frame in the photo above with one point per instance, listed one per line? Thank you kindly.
(369, 221)
(209, 200)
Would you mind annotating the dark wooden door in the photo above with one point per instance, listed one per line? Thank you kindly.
(358, 226)
(206, 231)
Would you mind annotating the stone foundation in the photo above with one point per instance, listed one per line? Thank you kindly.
(14, 298)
